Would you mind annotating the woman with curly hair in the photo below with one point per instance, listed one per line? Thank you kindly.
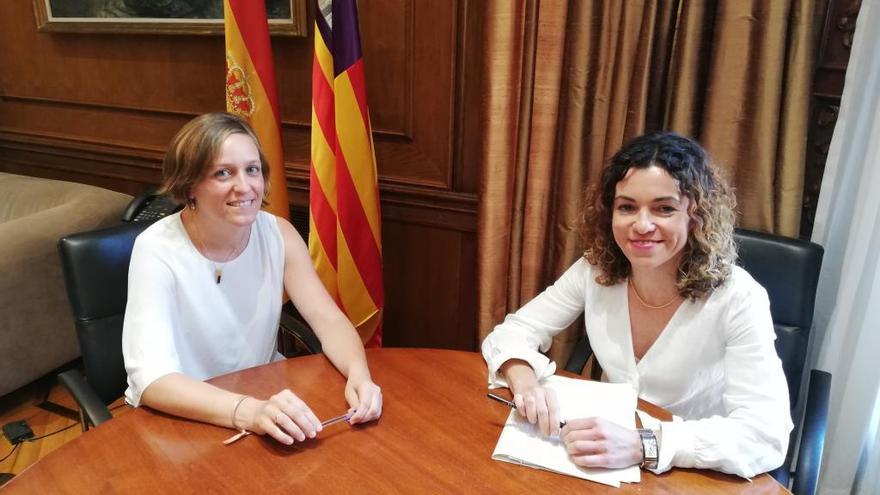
(666, 311)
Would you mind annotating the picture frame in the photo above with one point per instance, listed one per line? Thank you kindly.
(202, 17)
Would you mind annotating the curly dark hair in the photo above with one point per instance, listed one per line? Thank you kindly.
(710, 251)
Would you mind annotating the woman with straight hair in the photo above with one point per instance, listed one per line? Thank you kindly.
(205, 291)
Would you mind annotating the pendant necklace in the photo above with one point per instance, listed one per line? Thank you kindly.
(218, 269)
(642, 301)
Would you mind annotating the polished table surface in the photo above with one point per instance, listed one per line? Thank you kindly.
(436, 435)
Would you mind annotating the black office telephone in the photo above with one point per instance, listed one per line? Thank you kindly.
(149, 206)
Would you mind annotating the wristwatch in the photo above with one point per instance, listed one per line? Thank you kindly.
(650, 450)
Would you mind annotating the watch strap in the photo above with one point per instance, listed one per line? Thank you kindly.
(650, 448)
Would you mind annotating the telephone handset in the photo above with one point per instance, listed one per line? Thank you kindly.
(149, 206)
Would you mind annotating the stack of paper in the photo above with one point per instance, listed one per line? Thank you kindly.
(522, 443)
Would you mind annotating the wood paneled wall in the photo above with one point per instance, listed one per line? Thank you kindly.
(100, 109)
(834, 46)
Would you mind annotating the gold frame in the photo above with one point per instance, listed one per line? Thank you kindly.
(295, 26)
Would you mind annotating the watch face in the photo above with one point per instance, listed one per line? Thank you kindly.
(649, 444)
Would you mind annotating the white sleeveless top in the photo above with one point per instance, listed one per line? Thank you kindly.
(178, 319)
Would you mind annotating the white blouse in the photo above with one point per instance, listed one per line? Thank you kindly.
(178, 319)
(714, 365)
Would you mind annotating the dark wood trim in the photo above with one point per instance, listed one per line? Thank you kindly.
(55, 144)
(123, 168)
(826, 96)
(298, 25)
(410, 204)
(141, 111)
(410, 48)
(468, 95)
(145, 157)
(130, 167)
(835, 42)
(89, 105)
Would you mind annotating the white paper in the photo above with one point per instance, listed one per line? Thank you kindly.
(521, 442)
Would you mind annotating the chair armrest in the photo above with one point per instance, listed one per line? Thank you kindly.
(809, 458)
(579, 355)
(293, 325)
(92, 407)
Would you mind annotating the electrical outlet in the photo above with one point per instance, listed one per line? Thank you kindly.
(17, 431)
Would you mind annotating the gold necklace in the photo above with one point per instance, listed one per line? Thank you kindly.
(636, 292)
(218, 270)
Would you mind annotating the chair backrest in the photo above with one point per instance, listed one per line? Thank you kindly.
(789, 271)
(95, 266)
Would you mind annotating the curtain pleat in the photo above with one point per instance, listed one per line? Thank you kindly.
(502, 69)
(688, 68)
(791, 153)
(542, 153)
(743, 103)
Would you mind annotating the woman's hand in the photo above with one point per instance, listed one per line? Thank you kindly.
(597, 442)
(284, 417)
(365, 398)
(538, 405)
(535, 403)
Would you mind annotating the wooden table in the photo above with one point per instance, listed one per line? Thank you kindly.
(436, 435)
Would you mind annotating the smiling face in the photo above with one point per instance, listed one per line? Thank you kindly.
(232, 188)
(650, 219)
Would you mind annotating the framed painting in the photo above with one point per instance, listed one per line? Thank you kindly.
(286, 17)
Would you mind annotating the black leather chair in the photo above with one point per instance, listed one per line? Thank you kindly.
(95, 266)
(789, 270)
(294, 328)
(580, 354)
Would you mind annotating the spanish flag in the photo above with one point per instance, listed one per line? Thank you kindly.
(250, 88)
(345, 232)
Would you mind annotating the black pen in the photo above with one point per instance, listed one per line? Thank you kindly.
(513, 405)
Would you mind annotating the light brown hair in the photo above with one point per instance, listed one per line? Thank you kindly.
(195, 147)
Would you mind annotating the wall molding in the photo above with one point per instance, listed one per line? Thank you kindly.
(94, 161)
(405, 135)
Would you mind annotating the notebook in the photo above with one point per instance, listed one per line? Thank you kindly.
(521, 442)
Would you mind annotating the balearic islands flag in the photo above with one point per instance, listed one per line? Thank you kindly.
(345, 231)
(250, 88)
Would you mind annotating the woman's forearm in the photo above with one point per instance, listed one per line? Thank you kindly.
(343, 347)
(180, 395)
(284, 416)
(519, 375)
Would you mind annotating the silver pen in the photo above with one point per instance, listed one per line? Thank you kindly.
(243, 433)
(344, 417)
(513, 405)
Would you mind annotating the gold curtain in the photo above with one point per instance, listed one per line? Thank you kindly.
(567, 83)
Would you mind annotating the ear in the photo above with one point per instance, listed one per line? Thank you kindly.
(190, 199)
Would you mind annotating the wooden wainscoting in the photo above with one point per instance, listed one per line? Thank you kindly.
(100, 109)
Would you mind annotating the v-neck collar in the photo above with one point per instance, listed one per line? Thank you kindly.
(634, 364)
